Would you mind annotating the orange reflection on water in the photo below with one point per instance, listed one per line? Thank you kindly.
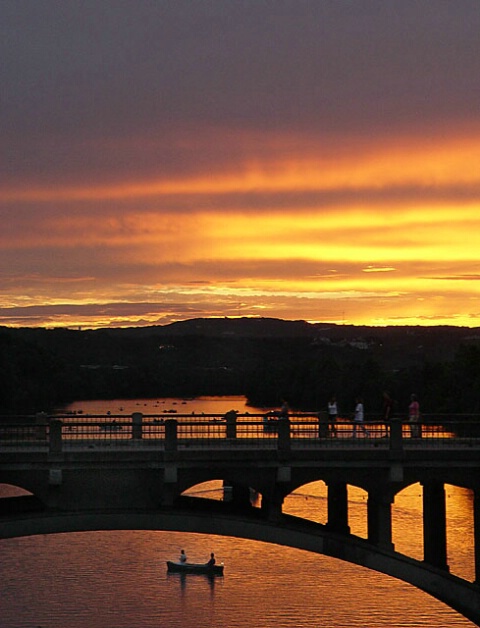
(310, 501)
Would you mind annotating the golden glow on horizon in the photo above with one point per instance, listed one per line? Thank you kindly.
(347, 258)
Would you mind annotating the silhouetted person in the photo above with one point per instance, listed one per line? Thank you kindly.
(358, 418)
(387, 410)
(332, 409)
(283, 414)
(414, 417)
(211, 562)
(387, 407)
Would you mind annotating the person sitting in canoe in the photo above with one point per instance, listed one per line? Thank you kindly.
(183, 557)
(211, 562)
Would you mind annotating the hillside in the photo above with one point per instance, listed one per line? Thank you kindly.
(264, 359)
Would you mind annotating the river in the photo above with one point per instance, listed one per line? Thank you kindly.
(119, 579)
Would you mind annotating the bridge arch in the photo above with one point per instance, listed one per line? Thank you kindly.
(460, 595)
(16, 499)
(187, 480)
(223, 490)
(322, 500)
(212, 489)
(12, 490)
(21, 484)
(309, 500)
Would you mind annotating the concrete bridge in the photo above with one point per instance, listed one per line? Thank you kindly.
(97, 473)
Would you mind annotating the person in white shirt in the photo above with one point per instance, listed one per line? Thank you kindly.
(332, 415)
(358, 418)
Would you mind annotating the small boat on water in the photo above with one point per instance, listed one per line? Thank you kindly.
(204, 568)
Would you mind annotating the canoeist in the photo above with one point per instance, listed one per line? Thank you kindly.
(211, 562)
(183, 556)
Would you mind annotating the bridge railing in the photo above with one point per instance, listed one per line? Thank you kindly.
(58, 433)
(24, 436)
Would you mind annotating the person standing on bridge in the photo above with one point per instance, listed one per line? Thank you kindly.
(332, 409)
(284, 410)
(414, 417)
(358, 418)
(387, 411)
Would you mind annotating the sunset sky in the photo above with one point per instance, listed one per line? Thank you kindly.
(164, 160)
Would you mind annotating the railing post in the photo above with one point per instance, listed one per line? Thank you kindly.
(55, 437)
(322, 424)
(41, 419)
(137, 420)
(284, 443)
(171, 441)
(231, 419)
(396, 437)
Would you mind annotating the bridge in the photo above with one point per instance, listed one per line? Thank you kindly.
(133, 472)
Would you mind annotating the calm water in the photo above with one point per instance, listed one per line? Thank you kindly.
(207, 405)
(119, 579)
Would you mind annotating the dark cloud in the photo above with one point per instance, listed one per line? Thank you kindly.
(467, 277)
(77, 72)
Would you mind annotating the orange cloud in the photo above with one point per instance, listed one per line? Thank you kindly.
(293, 164)
(342, 257)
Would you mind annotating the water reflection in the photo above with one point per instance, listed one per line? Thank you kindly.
(171, 405)
(119, 579)
(184, 579)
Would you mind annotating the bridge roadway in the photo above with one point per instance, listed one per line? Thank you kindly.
(100, 473)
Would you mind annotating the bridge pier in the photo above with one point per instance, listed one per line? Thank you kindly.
(239, 494)
(434, 524)
(337, 505)
(379, 518)
(272, 507)
(272, 503)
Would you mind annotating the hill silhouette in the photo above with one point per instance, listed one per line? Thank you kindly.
(262, 358)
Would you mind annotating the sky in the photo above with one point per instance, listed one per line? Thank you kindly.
(164, 160)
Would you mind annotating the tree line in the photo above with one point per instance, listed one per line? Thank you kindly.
(41, 370)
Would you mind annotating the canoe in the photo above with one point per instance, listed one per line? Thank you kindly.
(210, 570)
